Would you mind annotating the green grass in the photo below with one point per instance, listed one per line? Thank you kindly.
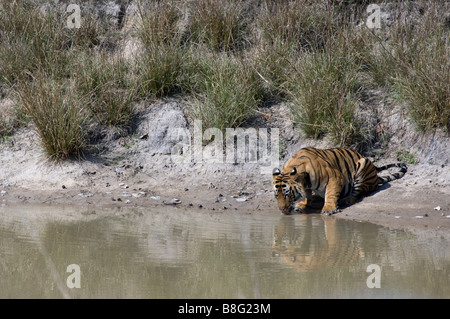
(158, 70)
(158, 67)
(228, 57)
(297, 23)
(422, 78)
(58, 116)
(274, 63)
(226, 90)
(220, 24)
(406, 157)
(104, 83)
(158, 22)
(413, 62)
(31, 39)
(323, 90)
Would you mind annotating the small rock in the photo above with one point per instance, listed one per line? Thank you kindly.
(86, 195)
(419, 216)
(221, 198)
(144, 137)
(155, 197)
(211, 186)
(119, 199)
(174, 201)
(139, 194)
(3, 193)
(64, 187)
(241, 199)
(186, 189)
(123, 185)
(437, 208)
(200, 206)
(127, 201)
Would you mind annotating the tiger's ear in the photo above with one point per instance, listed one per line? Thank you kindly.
(294, 171)
(276, 172)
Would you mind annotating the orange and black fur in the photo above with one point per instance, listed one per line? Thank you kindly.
(337, 174)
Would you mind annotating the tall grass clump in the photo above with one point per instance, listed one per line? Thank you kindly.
(220, 24)
(158, 70)
(31, 39)
(411, 59)
(226, 90)
(159, 65)
(273, 63)
(103, 81)
(58, 115)
(300, 23)
(422, 78)
(288, 29)
(323, 92)
(423, 81)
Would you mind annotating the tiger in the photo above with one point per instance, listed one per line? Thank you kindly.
(337, 175)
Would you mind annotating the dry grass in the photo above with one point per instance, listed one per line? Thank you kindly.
(229, 56)
(221, 24)
(226, 89)
(58, 115)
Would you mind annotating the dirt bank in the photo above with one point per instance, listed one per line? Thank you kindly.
(137, 172)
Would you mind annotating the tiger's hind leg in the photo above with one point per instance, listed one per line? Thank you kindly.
(364, 181)
(366, 178)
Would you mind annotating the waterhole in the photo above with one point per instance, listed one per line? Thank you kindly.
(167, 252)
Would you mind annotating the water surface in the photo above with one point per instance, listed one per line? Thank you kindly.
(176, 253)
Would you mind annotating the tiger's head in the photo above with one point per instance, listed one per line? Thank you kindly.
(286, 189)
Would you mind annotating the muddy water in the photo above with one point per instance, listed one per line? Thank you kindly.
(174, 253)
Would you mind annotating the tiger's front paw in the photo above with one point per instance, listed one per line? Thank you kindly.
(329, 210)
(300, 207)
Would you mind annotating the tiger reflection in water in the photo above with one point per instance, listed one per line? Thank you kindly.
(305, 249)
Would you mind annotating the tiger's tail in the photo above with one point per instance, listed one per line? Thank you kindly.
(391, 177)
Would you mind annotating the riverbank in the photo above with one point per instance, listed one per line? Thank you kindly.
(126, 177)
